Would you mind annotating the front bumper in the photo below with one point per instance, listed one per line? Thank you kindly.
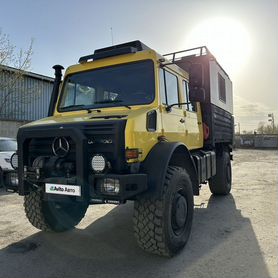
(130, 186)
(85, 141)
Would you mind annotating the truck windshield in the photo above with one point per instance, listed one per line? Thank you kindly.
(120, 85)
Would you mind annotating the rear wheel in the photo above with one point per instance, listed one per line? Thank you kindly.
(52, 216)
(162, 226)
(221, 183)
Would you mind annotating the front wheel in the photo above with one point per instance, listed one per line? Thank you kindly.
(52, 216)
(1, 178)
(162, 226)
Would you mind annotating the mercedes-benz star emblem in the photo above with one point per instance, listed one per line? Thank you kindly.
(60, 146)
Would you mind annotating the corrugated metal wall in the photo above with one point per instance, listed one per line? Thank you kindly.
(263, 141)
(24, 98)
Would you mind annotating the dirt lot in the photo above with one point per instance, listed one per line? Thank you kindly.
(233, 236)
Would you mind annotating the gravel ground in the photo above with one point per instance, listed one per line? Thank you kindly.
(233, 236)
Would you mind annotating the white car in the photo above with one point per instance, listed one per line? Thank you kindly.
(8, 176)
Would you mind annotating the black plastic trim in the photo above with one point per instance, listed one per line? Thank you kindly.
(107, 54)
(166, 154)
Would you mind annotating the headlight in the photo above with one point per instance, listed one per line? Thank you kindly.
(14, 161)
(11, 179)
(110, 186)
(98, 163)
(14, 179)
(8, 160)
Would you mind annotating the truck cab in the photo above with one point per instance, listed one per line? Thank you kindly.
(126, 123)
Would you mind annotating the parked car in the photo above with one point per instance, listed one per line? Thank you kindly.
(8, 176)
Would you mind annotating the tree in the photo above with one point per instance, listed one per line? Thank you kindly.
(267, 129)
(13, 64)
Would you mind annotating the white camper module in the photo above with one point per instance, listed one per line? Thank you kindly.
(221, 93)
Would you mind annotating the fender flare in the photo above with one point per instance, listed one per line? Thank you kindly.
(165, 154)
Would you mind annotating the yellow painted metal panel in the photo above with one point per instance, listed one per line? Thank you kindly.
(176, 126)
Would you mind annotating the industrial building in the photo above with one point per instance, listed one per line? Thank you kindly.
(24, 97)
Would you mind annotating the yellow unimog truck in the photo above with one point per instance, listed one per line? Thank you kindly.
(129, 124)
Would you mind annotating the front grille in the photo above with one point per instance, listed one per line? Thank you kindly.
(43, 147)
(102, 139)
(107, 139)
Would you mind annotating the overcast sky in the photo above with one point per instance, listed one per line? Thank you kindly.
(242, 35)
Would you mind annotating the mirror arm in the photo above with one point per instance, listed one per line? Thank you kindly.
(169, 107)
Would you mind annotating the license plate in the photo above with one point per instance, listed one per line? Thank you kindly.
(63, 189)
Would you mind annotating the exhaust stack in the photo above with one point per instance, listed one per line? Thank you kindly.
(54, 96)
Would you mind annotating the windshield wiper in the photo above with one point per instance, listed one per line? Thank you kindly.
(90, 110)
(72, 107)
(113, 102)
(82, 106)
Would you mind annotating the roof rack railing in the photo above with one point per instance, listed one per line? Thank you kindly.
(196, 51)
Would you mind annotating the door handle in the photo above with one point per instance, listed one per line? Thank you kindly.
(182, 120)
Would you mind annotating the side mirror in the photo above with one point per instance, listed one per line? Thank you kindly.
(197, 94)
(196, 75)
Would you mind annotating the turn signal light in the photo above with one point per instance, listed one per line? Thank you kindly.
(132, 153)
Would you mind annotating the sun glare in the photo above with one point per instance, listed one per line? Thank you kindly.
(226, 38)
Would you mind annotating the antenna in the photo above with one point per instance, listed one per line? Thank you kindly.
(112, 39)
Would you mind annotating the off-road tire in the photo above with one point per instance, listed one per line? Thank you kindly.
(221, 183)
(154, 226)
(2, 178)
(52, 216)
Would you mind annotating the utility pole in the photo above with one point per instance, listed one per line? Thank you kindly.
(238, 124)
(271, 119)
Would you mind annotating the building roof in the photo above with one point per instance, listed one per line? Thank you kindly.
(28, 73)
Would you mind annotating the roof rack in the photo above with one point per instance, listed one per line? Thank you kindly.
(194, 52)
(184, 58)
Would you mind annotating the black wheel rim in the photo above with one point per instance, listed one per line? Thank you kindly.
(179, 213)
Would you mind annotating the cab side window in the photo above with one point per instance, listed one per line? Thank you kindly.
(168, 88)
(171, 88)
(190, 106)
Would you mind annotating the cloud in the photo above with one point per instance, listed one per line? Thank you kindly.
(249, 114)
